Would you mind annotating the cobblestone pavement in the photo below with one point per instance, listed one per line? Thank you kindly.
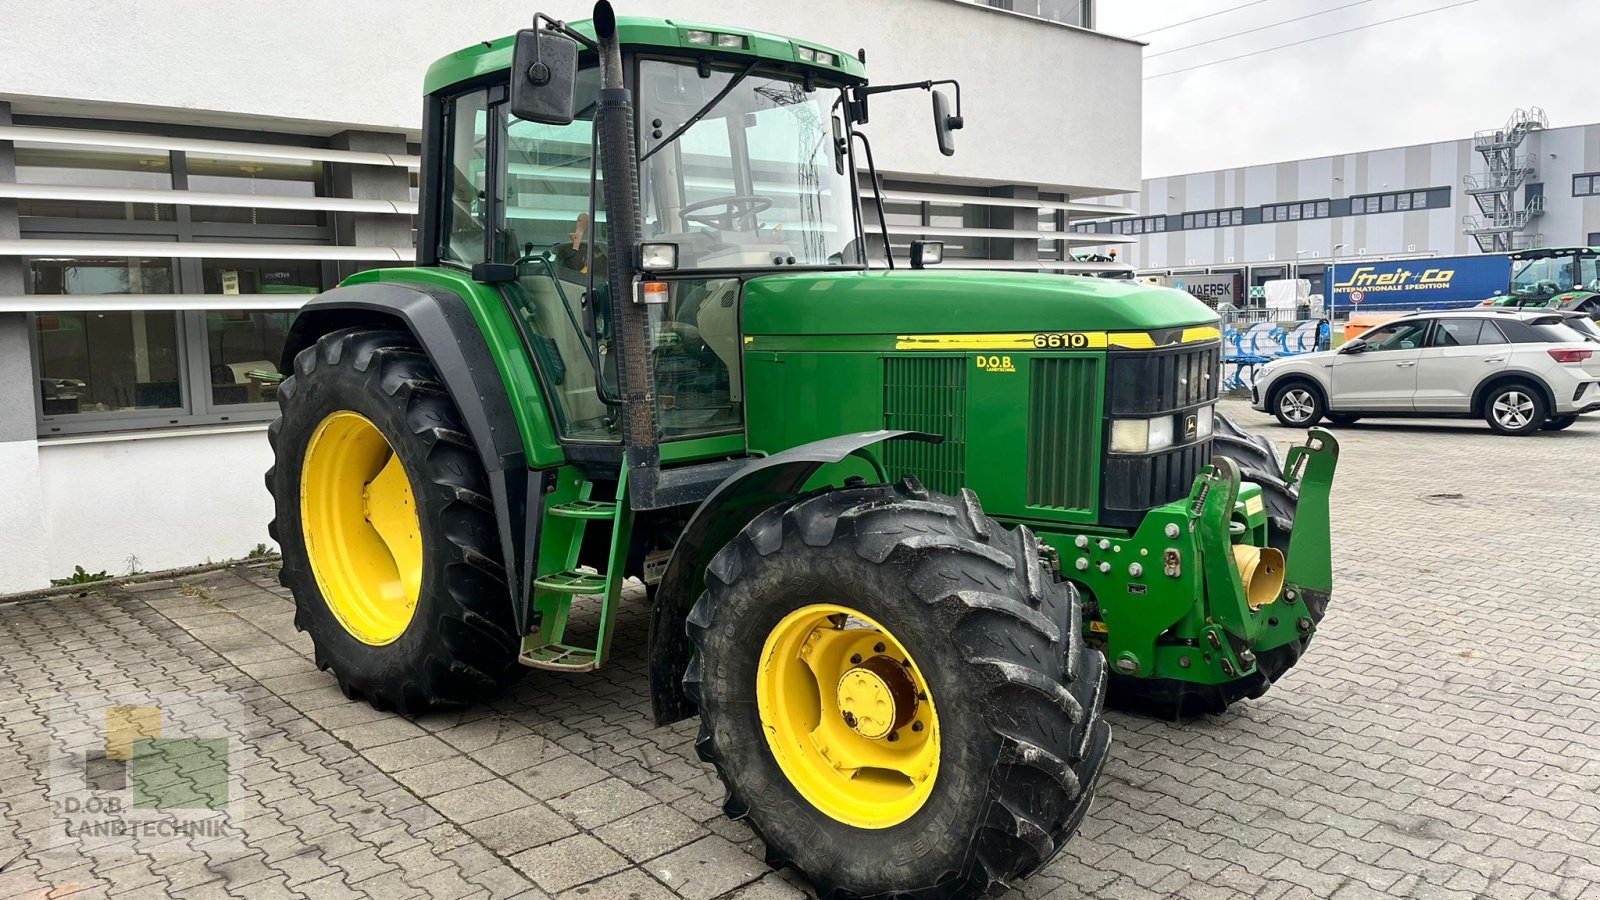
(1442, 739)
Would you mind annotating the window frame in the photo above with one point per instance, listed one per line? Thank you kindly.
(1592, 188)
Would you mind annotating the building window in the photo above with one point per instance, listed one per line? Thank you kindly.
(84, 166)
(1586, 185)
(108, 362)
(100, 275)
(248, 175)
(242, 348)
(1400, 201)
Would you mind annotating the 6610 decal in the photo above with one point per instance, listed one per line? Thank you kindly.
(1062, 340)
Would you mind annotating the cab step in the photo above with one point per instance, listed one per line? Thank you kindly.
(585, 509)
(560, 658)
(572, 581)
(558, 580)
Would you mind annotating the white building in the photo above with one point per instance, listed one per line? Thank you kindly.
(1439, 199)
(177, 177)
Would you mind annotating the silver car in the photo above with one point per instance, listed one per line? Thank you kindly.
(1520, 369)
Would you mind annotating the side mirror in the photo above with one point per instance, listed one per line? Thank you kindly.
(1355, 345)
(544, 73)
(944, 123)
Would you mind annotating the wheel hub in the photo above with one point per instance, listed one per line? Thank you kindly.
(848, 716)
(877, 697)
(359, 522)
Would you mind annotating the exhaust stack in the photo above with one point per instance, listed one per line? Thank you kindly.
(630, 321)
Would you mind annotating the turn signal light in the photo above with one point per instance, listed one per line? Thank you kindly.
(653, 292)
(1570, 356)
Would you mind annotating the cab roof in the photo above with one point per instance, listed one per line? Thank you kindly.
(1548, 252)
(487, 57)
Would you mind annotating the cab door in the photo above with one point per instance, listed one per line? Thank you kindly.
(1459, 354)
(1380, 374)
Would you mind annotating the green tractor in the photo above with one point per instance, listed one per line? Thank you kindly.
(1554, 278)
(642, 339)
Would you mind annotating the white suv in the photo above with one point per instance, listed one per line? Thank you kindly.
(1520, 369)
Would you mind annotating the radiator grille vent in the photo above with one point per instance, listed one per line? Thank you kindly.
(1063, 428)
(927, 394)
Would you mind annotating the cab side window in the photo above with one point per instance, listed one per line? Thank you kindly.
(463, 231)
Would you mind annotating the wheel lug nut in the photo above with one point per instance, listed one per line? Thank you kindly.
(916, 726)
(906, 663)
(894, 736)
(855, 658)
(878, 647)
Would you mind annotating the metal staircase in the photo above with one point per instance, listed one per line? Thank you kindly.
(558, 582)
(1503, 225)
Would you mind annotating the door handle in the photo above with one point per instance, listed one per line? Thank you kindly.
(1405, 365)
(1495, 359)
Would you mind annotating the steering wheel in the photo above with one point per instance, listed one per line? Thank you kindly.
(734, 206)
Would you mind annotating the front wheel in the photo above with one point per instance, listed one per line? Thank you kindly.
(1560, 423)
(895, 693)
(1515, 409)
(1298, 405)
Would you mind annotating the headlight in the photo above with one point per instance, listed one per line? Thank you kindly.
(1141, 435)
(1203, 421)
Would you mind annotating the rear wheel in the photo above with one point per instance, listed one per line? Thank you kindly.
(386, 526)
(1515, 409)
(896, 694)
(1298, 405)
(1560, 423)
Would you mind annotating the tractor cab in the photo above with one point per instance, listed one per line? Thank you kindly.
(1559, 278)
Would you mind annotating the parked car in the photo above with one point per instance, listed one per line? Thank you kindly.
(1520, 369)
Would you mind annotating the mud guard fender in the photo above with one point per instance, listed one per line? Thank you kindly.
(447, 332)
(741, 497)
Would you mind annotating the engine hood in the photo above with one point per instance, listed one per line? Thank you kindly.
(910, 301)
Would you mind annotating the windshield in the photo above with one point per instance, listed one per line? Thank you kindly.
(752, 183)
(1554, 274)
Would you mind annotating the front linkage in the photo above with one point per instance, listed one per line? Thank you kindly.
(1191, 600)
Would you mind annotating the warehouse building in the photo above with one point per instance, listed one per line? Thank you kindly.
(1515, 185)
(167, 202)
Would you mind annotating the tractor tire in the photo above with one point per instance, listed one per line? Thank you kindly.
(1007, 695)
(1174, 700)
(383, 514)
(1252, 451)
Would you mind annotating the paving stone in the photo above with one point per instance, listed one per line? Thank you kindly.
(569, 862)
(650, 832)
(601, 802)
(1451, 753)
(706, 868)
(516, 830)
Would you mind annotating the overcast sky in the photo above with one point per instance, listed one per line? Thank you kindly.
(1434, 77)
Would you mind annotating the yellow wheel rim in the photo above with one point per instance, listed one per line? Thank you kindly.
(848, 716)
(358, 517)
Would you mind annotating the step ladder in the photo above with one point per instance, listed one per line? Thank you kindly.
(569, 513)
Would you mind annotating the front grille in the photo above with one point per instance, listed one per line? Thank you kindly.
(929, 394)
(1135, 485)
(1063, 438)
(1143, 383)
